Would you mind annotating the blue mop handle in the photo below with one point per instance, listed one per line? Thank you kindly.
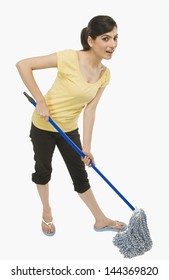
(76, 148)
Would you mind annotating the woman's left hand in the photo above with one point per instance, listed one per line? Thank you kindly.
(88, 159)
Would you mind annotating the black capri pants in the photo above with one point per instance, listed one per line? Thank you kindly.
(44, 143)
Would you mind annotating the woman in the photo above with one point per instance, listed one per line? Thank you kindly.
(80, 82)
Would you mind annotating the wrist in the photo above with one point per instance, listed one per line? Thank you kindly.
(40, 100)
(87, 149)
(39, 97)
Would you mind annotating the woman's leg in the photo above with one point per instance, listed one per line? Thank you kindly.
(79, 176)
(43, 191)
(101, 220)
(43, 145)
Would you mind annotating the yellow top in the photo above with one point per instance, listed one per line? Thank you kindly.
(69, 93)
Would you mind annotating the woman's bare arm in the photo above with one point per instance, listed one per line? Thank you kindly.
(25, 68)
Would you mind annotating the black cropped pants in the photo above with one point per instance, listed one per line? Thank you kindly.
(44, 143)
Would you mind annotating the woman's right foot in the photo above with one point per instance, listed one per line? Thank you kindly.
(48, 227)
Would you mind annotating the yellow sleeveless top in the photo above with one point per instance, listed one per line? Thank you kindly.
(69, 93)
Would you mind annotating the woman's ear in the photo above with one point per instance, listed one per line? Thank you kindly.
(90, 41)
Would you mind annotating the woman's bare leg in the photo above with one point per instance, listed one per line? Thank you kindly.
(43, 191)
(101, 220)
(88, 198)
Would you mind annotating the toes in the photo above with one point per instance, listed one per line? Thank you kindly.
(120, 225)
(48, 229)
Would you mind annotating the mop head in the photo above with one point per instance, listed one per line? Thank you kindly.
(136, 239)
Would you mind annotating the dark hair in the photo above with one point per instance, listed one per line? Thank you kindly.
(97, 25)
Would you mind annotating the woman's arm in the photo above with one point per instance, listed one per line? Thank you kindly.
(88, 123)
(25, 68)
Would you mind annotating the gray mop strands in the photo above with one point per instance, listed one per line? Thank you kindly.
(136, 239)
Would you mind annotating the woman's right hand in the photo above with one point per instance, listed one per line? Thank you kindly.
(42, 110)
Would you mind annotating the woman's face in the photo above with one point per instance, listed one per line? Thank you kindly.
(104, 45)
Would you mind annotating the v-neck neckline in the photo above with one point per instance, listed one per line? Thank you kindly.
(81, 75)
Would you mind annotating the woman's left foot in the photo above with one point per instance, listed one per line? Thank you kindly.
(110, 225)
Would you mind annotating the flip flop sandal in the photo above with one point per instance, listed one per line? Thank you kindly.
(49, 224)
(112, 228)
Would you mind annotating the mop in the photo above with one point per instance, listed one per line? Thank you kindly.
(136, 239)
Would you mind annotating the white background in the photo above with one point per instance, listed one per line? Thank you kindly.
(130, 140)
